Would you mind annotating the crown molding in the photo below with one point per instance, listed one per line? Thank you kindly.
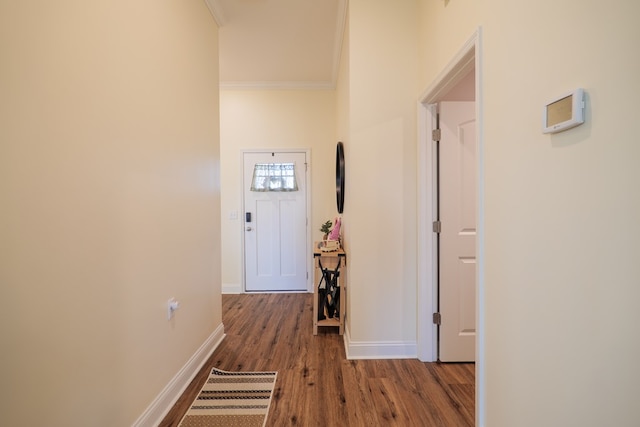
(275, 85)
(217, 12)
(216, 9)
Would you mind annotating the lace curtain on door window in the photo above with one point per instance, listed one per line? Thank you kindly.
(274, 177)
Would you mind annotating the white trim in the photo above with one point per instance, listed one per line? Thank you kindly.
(231, 288)
(456, 70)
(161, 405)
(480, 305)
(378, 349)
(309, 256)
(427, 332)
(341, 19)
(215, 7)
(468, 57)
(274, 85)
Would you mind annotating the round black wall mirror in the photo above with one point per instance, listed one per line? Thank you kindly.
(340, 177)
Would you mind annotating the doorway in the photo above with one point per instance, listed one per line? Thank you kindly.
(275, 221)
(456, 205)
(468, 59)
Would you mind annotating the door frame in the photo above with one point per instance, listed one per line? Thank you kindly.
(309, 249)
(468, 57)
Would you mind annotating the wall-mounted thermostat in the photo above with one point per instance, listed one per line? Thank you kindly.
(564, 112)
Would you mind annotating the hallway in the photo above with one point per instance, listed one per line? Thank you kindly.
(317, 385)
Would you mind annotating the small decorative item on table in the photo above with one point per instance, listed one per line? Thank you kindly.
(325, 229)
(331, 238)
(329, 245)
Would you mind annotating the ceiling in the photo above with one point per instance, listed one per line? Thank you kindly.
(279, 43)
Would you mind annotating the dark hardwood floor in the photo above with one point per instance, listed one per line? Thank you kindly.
(317, 385)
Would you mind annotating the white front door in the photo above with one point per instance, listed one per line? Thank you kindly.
(275, 227)
(457, 206)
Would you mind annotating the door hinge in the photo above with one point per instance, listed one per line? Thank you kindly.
(435, 134)
(437, 319)
(437, 227)
(306, 166)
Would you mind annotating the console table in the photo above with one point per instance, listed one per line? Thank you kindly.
(329, 260)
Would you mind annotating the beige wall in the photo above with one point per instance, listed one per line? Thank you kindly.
(342, 89)
(380, 202)
(110, 197)
(274, 119)
(561, 212)
(109, 187)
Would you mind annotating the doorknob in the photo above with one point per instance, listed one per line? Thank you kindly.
(249, 228)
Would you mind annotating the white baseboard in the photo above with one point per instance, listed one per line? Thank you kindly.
(231, 288)
(379, 349)
(161, 405)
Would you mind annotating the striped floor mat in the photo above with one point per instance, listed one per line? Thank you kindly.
(230, 399)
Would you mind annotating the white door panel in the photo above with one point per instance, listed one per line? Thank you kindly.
(457, 202)
(275, 239)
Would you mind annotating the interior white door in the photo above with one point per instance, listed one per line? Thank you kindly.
(275, 228)
(457, 255)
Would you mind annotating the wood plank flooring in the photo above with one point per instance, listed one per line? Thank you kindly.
(317, 385)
